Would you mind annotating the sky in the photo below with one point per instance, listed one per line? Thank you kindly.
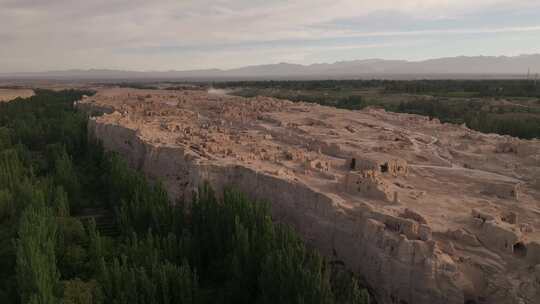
(160, 35)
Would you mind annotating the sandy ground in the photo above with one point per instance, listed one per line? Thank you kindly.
(10, 94)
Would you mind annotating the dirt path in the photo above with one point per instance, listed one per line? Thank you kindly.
(473, 173)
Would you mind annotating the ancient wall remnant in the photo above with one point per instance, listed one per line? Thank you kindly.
(367, 185)
(533, 253)
(503, 190)
(377, 164)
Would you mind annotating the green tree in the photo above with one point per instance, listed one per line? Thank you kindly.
(37, 275)
(77, 291)
(66, 176)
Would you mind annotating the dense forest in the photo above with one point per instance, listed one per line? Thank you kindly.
(509, 107)
(78, 226)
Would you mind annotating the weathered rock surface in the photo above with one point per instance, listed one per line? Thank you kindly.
(425, 212)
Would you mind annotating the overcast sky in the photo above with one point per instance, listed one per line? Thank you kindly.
(38, 35)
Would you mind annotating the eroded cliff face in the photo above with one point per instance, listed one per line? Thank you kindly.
(411, 270)
(391, 200)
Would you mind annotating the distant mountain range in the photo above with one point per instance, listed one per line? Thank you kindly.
(451, 67)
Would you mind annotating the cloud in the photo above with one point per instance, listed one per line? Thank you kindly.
(58, 34)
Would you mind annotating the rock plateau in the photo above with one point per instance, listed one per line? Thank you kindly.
(424, 212)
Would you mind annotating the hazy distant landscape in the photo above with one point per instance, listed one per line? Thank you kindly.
(444, 68)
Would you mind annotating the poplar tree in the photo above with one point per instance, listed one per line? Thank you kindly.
(37, 274)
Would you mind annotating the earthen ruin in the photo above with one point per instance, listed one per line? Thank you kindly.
(425, 212)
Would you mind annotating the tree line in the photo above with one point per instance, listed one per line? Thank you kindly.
(469, 88)
(481, 116)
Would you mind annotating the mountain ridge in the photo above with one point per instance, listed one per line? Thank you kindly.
(462, 66)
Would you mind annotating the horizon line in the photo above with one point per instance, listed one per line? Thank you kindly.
(265, 64)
